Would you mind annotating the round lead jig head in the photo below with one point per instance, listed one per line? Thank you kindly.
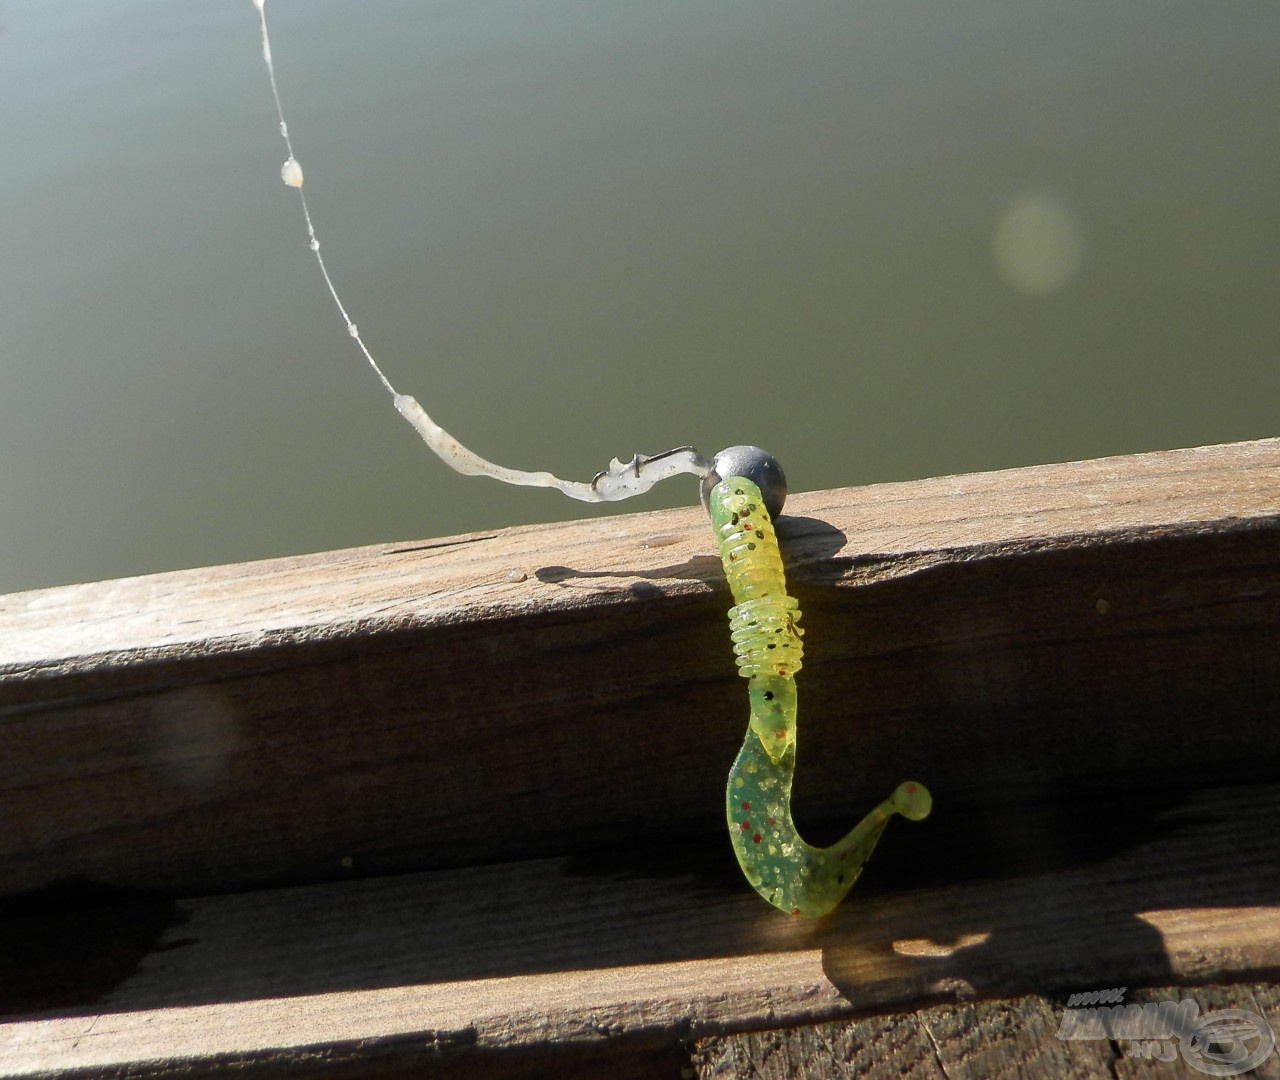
(758, 466)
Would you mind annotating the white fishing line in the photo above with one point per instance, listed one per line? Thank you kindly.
(620, 480)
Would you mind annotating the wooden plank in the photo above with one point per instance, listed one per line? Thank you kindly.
(1015, 637)
(602, 962)
(488, 575)
(985, 1039)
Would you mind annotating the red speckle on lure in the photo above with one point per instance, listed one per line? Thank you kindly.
(756, 838)
(746, 826)
(746, 806)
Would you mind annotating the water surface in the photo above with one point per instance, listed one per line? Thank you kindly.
(887, 240)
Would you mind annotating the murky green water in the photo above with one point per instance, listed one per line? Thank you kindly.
(887, 240)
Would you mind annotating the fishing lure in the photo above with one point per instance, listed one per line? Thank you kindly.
(792, 875)
(743, 489)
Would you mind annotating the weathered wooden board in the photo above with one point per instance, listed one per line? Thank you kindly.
(1022, 637)
(983, 1040)
(575, 967)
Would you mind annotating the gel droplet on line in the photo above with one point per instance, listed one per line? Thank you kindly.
(291, 173)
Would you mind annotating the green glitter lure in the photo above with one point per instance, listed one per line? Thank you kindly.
(793, 876)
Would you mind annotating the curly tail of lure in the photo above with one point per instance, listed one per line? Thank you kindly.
(792, 875)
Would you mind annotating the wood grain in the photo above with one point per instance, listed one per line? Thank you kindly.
(1021, 637)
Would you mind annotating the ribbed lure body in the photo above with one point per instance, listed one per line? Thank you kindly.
(790, 874)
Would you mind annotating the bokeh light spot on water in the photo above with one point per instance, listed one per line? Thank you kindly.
(1038, 245)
